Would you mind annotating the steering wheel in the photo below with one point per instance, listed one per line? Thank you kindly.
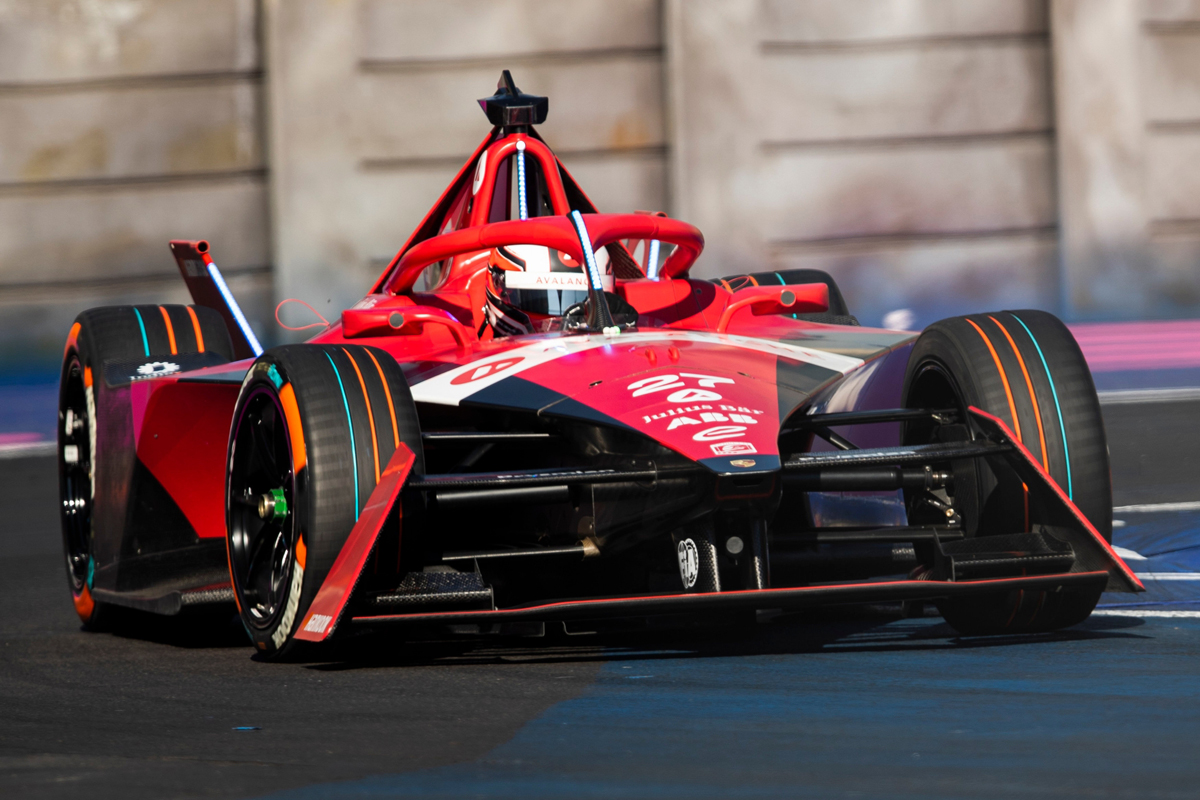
(557, 233)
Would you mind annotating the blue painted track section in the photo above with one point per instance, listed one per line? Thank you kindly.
(900, 709)
(874, 707)
(1169, 546)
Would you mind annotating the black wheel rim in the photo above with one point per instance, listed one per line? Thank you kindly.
(261, 534)
(75, 467)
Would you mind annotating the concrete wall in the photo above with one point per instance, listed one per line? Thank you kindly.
(934, 155)
(373, 109)
(905, 147)
(1128, 86)
(124, 124)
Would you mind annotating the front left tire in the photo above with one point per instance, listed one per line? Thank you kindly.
(313, 427)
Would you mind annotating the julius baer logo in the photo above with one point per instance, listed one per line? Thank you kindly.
(700, 406)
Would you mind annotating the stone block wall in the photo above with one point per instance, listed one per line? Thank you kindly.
(123, 124)
(940, 156)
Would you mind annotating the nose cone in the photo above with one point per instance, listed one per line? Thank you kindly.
(712, 414)
(713, 398)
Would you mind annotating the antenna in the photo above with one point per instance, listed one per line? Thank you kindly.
(509, 108)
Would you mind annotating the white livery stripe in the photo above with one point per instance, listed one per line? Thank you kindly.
(454, 386)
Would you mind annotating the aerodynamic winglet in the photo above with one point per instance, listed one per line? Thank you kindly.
(208, 289)
(1091, 549)
(329, 604)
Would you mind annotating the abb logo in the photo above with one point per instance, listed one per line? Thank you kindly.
(711, 416)
(701, 391)
(486, 370)
(662, 383)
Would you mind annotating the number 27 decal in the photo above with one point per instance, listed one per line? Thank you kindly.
(661, 383)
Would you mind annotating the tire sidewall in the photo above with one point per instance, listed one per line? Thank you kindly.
(268, 374)
(317, 385)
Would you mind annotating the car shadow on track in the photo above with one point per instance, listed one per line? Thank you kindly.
(837, 630)
(850, 629)
(196, 629)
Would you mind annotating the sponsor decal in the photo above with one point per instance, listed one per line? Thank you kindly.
(743, 462)
(154, 369)
(570, 281)
(486, 370)
(480, 171)
(660, 383)
(689, 562)
(725, 414)
(289, 610)
(733, 448)
(710, 417)
(317, 623)
(719, 432)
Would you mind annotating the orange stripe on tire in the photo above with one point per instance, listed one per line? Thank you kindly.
(196, 328)
(388, 394)
(1037, 414)
(84, 604)
(170, 330)
(1012, 406)
(370, 414)
(72, 337)
(291, 412)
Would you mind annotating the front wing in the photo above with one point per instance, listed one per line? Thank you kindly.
(1096, 564)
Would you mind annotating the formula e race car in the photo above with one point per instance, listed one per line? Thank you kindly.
(535, 416)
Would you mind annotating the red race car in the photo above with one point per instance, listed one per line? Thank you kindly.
(561, 426)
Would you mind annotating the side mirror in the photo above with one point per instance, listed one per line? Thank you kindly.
(803, 298)
(402, 321)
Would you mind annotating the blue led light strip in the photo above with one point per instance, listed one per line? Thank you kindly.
(589, 257)
(236, 310)
(142, 325)
(652, 261)
(522, 209)
(1057, 407)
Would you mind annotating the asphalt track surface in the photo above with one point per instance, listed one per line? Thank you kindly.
(855, 703)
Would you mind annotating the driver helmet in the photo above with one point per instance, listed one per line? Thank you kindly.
(530, 287)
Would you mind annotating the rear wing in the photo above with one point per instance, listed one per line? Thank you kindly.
(208, 289)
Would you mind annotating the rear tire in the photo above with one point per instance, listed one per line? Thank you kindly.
(95, 440)
(1025, 368)
(313, 428)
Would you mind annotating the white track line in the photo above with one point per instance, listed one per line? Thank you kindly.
(1137, 612)
(1127, 554)
(1191, 505)
(1169, 576)
(27, 449)
(1130, 396)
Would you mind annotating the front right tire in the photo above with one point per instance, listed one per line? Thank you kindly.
(1025, 368)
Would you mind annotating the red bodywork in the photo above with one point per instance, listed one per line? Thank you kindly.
(708, 373)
